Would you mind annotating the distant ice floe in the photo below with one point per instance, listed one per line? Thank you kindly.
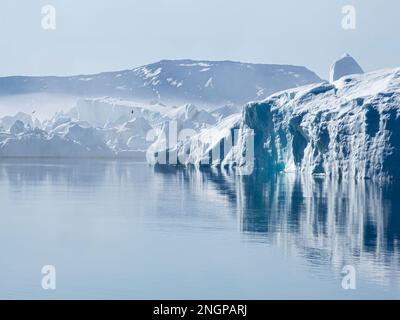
(348, 127)
(100, 127)
(345, 66)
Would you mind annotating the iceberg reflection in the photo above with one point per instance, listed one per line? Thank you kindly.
(327, 221)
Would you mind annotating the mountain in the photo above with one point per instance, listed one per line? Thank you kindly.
(206, 83)
(345, 66)
(348, 128)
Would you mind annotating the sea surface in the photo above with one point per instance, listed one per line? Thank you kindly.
(125, 230)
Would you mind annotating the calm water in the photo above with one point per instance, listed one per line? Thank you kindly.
(125, 230)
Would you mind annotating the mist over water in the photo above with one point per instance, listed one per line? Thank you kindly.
(42, 106)
(118, 229)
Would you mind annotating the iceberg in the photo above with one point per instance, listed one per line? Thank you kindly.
(97, 127)
(130, 136)
(8, 121)
(225, 111)
(348, 128)
(74, 141)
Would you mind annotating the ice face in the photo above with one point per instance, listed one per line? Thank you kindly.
(17, 128)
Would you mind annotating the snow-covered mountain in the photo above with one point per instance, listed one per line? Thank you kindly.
(204, 83)
(348, 128)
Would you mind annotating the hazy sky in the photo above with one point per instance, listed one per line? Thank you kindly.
(104, 35)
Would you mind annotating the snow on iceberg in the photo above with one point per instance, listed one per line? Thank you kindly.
(225, 111)
(350, 128)
(189, 116)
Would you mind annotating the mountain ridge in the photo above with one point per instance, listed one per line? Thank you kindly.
(203, 82)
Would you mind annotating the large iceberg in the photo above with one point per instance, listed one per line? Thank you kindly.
(348, 128)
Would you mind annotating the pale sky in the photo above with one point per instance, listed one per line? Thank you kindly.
(106, 35)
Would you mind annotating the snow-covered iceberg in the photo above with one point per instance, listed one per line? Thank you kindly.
(8, 121)
(76, 142)
(348, 128)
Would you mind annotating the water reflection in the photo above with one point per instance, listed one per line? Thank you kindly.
(327, 221)
(22, 172)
